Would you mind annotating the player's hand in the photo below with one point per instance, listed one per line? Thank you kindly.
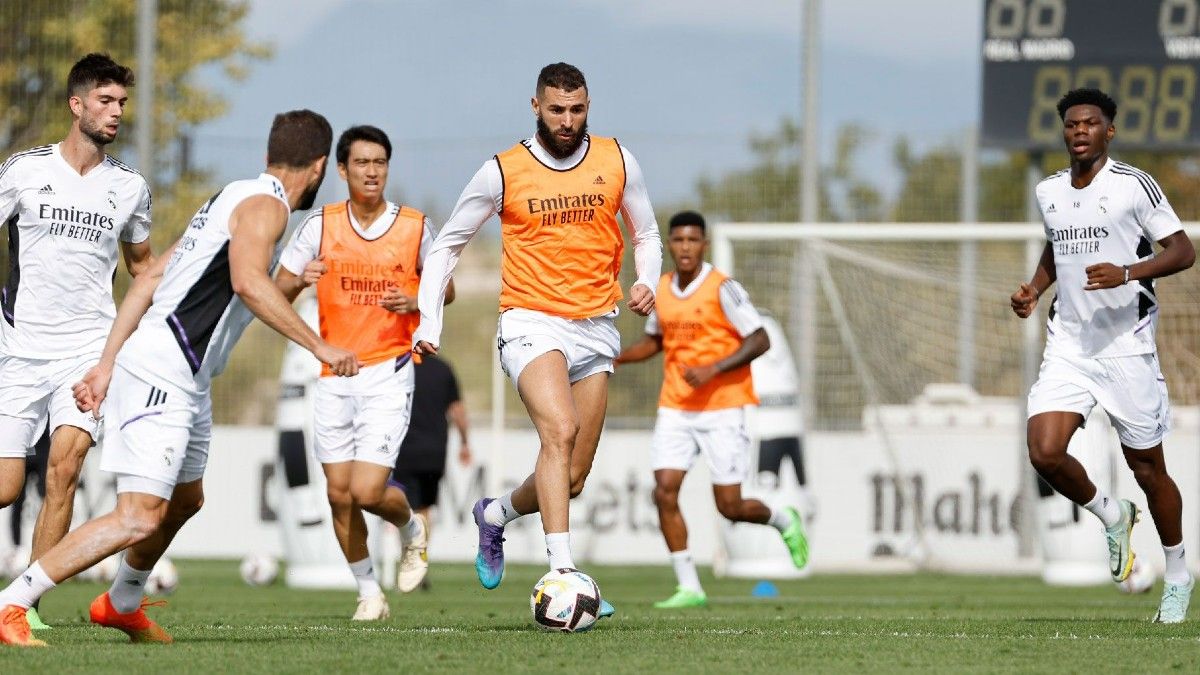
(641, 299)
(698, 376)
(464, 454)
(1024, 301)
(314, 270)
(424, 347)
(1104, 275)
(91, 391)
(395, 301)
(342, 362)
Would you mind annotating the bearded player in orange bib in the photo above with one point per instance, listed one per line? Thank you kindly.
(558, 195)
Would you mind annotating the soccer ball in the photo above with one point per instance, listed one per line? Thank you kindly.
(104, 571)
(1140, 580)
(259, 569)
(565, 600)
(164, 578)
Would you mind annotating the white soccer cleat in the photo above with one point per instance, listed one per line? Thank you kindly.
(1175, 601)
(374, 608)
(414, 562)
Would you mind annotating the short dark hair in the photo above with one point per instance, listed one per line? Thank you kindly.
(686, 218)
(298, 138)
(1094, 97)
(361, 132)
(97, 70)
(560, 76)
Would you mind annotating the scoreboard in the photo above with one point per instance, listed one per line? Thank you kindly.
(1143, 53)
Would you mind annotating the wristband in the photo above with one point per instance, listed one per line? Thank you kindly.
(1126, 274)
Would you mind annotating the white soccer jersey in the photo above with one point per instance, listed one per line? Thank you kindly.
(1115, 219)
(735, 303)
(185, 337)
(63, 230)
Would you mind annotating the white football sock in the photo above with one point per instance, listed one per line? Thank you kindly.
(27, 588)
(128, 588)
(410, 530)
(1177, 571)
(364, 576)
(500, 511)
(1107, 509)
(685, 571)
(780, 519)
(558, 550)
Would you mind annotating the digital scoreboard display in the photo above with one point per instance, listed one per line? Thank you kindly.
(1143, 53)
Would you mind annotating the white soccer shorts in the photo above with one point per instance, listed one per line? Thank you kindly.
(34, 390)
(364, 418)
(154, 437)
(589, 345)
(1131, 389)
(719, 435)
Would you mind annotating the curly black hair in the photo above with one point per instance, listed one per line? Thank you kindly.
(1088, 97)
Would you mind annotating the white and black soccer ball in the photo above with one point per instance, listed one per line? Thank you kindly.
(565, 600)
(1140, 580)
(164, 578)
(259, 569)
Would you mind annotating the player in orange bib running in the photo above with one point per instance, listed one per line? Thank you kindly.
(365, 257)
(558, 195)
(710, 332)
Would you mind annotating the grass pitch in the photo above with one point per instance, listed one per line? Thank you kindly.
(825, 624)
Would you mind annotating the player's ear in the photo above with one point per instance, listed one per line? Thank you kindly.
(537, 108)
(75, 103)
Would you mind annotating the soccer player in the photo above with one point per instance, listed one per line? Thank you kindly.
(1101, 217)
(365, 257)
(172, 334)
(558, 195)
(709, 332)
(69, 208)
(422, 461)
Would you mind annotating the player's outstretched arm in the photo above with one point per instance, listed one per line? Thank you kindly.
(1177, 255)
(1025, 300)
(644, 348)
(753, 346)
(254, 227)
(92, 389)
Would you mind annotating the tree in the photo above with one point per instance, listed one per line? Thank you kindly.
(40, 41)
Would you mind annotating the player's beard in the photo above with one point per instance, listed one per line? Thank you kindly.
(310, 193)
(95, 132)
(556, 148)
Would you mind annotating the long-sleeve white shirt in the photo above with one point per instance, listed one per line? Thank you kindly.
(484, 197)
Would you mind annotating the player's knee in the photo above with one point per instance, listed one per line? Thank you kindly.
(183, 511)
(339, 498)
(139, 524)
(1147, 474)
(666, 498)
(730, 509)
(1045, 458)
(367, 497)
(560, 436)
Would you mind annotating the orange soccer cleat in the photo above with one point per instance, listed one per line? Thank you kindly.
(135, 624)
(14, 628)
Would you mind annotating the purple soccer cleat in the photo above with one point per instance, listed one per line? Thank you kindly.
(489, 561)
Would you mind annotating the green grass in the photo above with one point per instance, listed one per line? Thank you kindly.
(825, 624)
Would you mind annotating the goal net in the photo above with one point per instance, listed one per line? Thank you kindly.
(913, 374)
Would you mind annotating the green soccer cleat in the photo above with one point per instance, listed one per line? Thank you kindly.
(1175, 600)
(1120, 553)
(683, 598)
(796, 541)
(35, 620)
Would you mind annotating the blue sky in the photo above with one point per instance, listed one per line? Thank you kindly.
(682, 83)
